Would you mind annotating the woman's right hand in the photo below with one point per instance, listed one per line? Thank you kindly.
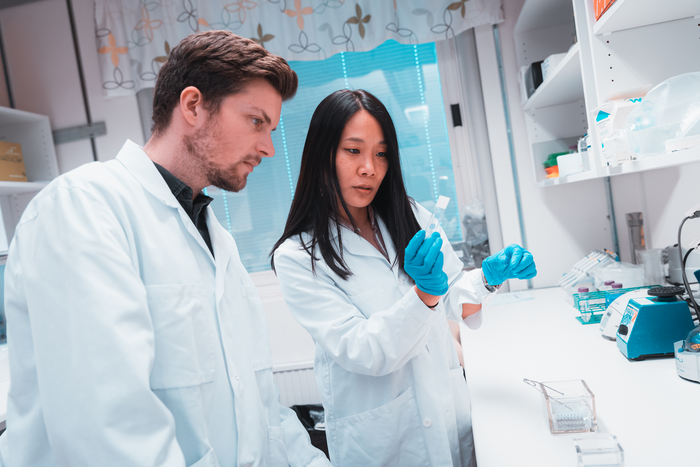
(423, 261)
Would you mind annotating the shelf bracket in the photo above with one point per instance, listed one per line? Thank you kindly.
(76, 133)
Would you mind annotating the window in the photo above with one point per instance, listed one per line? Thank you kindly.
(406, 79)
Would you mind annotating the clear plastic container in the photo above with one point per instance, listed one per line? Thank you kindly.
(599, 451)
(669, 111)
(569, 406)
(632, 275)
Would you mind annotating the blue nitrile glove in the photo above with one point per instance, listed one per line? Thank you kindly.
(513, 262)
(423, 262)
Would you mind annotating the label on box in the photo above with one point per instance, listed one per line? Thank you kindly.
(610, 117)
(11, 163)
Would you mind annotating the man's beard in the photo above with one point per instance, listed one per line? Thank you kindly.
(231, 178)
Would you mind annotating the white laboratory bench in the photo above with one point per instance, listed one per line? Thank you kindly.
(654, 413)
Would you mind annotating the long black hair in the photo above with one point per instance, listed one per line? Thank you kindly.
(315, 208)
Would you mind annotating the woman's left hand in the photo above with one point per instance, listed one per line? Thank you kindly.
(513, 262)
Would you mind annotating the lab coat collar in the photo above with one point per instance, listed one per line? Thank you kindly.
(142, 168)
(356, 245)
(137, 162)
(222, 251)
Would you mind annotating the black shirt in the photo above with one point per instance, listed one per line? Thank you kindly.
(196, 209)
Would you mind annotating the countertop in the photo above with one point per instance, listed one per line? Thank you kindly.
(654, 413)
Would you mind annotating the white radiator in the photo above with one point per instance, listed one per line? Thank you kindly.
(297, 384)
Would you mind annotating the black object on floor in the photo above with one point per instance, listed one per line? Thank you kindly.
(318, 437)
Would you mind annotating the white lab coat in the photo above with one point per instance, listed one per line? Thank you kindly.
(129, 344)
(385, 364)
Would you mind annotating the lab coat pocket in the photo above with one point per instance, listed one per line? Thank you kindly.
(463, 415)
(390, 435)
(209, 460)
(278, 447)
(185, 335)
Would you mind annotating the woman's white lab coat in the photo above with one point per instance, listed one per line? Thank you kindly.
(386, 365)
(129, 344)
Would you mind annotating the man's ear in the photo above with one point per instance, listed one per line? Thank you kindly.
(191, 105)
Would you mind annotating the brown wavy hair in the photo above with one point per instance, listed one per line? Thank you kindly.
(219, 64)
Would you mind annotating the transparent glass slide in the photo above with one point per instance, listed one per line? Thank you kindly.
(599, 451)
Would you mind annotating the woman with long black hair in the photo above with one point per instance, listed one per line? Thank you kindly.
(358, 272)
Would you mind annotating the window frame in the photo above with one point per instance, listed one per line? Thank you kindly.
(458, 137)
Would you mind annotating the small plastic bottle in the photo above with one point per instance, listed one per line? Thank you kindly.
(584, 307)
(607, 285)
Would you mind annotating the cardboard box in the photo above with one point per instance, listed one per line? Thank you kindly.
(11, 163)
(550, 63)
(600, 7)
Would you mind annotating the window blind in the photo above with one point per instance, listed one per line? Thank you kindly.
(406, 79)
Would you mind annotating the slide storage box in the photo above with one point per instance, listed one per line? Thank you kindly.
(11, 163)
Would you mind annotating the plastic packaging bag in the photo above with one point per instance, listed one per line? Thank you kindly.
(627, 274)
(668, 112)
(476, 236)
(474, 220)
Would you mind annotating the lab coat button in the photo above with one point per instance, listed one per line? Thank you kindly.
(401, 281)
(427, 423)
(236, 378)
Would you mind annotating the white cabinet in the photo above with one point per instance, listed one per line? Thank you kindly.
(636, 43)
(33, 133)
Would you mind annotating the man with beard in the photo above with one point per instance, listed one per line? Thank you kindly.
(136, 336)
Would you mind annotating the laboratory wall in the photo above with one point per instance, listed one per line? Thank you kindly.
(561, 223)
(43, 70)
(667, 194)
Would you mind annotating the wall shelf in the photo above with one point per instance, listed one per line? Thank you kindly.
(628, 14)
(659, 42)
(674, 159)
(16, 188)
(33, 133)
(564, 85)
(579, 177)
(687, 156)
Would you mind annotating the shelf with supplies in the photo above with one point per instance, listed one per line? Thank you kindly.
(674, 159)
(563, 85)
(628, 14)
(30, 135)
(579, 177)
(33, 133)
(592, 66)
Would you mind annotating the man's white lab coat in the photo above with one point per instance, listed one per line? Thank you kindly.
(129, 344)
(386, 365)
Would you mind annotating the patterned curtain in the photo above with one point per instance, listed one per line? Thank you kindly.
(134, 37)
